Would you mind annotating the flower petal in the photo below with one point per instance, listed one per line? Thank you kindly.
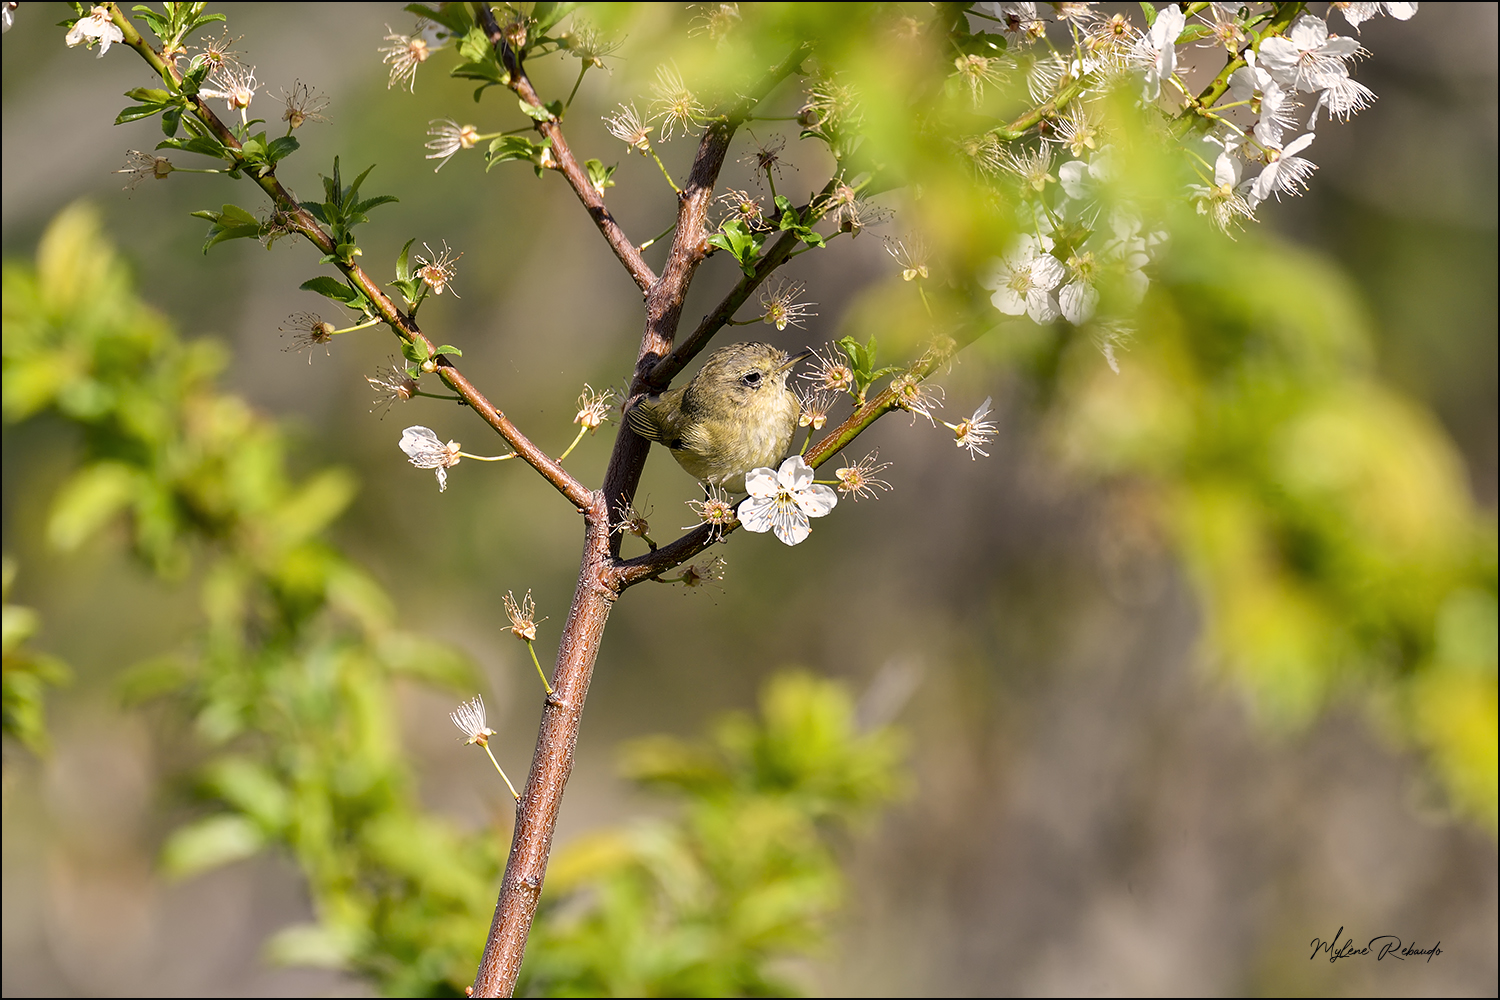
(816, 501)
(795, 474)
(755, 513)
(792, 526)
(762, 483)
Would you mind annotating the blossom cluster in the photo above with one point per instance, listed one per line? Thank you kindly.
(1085, 250)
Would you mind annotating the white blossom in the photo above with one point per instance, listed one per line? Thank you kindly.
(95, 26)
(782, 501)
(1285, 172)
(1024, 278)
(425, 451)
(1357, 13)
(1157, 50)
(1019, 22)
(1308, 57)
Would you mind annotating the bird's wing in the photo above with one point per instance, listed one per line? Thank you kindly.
(641, 418)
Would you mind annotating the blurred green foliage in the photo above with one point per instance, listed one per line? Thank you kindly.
(290, 689)
(703, 903)
(27, 673)
(1325, 519)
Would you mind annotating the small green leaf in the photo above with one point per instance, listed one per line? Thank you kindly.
(450, 349)
(536, 111)
(280, 148)
(475, 46)
(545, 14)
(333, 289)
(403, 265)
(453, 16)
(487, 71)
(600, 176)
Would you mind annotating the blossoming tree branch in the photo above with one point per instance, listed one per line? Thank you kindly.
(1007, 137)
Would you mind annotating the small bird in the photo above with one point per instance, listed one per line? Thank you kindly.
(735, 415)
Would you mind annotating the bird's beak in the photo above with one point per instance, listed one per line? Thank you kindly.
(789, 362)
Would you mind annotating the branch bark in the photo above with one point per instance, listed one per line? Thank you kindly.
(600, 581)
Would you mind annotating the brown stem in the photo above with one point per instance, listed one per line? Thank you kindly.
(599, 580)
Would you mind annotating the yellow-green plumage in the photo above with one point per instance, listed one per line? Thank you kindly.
(735, 415)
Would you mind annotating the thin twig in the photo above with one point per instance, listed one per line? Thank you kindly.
(567, 164)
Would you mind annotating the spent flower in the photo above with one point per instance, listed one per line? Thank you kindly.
(393, 384)
(716, 20)
(860, 479)
(470, 720)
(307, 330)
(675, 106)
(446, 137)
(403, 55)
(437, 270)
(974, 432)
(780, 307)
(911, 253)
(141, 165)
(627, 126)
(813, 408)
(594, 408)
(233, 84)
(588, 46)
(714, 510)
(303, 105)
(917, 398)
(707, 573)
(522, 616)
(831, 371)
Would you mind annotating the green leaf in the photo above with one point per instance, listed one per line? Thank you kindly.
(450, 349)
(487, 71)
(369, 203)
(517, 147)
(202, 145)
(233, 223)
(600, 176)
(280, 148)
(210, 843)
(192, 80)
(88, 501)
(544, 15)
(453, 16)
(251, 789)
(536, 111)
(403, 265)
(138, 111)
(415, 350)
(475, 46)
(1149, 10)
(333, 289)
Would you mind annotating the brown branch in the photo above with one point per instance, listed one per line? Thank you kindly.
(599, 583)
(567, 163)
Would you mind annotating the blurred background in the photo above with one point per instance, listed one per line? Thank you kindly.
(1095, 806)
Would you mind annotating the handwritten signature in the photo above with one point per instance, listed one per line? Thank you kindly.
(1382, 947)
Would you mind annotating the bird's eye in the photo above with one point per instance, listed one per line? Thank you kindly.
(751, 379)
